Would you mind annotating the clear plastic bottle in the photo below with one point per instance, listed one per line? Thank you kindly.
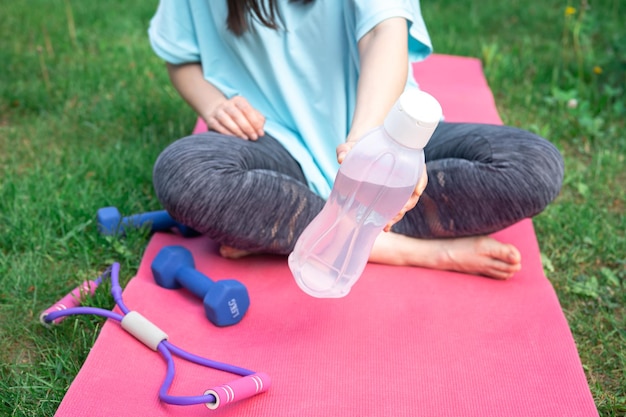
(374, 182)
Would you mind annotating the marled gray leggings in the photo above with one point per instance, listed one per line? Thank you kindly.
(252, 195)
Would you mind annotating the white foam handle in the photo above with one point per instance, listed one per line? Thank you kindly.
(143, 330)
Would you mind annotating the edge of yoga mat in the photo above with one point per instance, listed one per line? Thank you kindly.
(405, 342)
(449, 84)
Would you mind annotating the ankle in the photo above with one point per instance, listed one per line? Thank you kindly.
(395, 249)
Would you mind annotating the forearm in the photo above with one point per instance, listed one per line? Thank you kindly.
(383, 73)
(201, 95)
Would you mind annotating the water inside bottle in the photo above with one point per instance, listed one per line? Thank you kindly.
(326, 264)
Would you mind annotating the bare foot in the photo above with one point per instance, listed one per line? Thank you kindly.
(232, 253)
(481, 255)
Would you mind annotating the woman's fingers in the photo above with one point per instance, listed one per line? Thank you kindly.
(253, 118)
(422, 183)
(221, 121)
(343, 149)
(417, 192)
(237, 117)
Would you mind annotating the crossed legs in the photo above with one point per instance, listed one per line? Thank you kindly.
(251, 196)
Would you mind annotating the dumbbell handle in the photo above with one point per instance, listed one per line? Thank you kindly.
(111, 222)
(193, 280)
(159, 220)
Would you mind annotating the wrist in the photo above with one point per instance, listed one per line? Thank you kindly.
(356, 134)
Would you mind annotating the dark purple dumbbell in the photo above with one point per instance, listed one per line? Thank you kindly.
(111, 222)
(225, 301)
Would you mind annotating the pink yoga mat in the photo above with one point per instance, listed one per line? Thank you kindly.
(405, 342)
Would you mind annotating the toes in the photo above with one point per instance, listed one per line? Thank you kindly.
(232, 253)
(504, 269)
(513, 256)
(501, 260)
(503, 252)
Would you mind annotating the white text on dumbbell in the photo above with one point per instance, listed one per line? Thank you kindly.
(234, 310)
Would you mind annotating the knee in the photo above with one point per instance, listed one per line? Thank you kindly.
(550, 169)
(543, 169)
(182, 168)
(166, 173)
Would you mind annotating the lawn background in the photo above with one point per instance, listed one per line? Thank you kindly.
(85, 108)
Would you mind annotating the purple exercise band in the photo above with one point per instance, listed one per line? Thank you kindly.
(249, 385)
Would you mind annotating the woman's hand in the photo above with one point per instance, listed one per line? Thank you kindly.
(342, 151)
(229, 116)
(236, 117)
(417, 192)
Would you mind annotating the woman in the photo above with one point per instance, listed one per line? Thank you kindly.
(286, 88)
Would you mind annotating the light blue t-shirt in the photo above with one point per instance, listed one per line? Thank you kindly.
(301, 77)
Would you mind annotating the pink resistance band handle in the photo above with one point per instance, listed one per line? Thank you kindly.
(72, 299)
(238, 389)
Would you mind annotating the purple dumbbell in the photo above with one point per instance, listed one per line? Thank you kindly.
(225, 301)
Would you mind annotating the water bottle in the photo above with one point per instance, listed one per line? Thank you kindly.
(374, 182)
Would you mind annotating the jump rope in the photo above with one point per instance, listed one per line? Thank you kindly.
(250, 383)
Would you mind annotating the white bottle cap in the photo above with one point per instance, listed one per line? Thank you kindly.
(413, 118)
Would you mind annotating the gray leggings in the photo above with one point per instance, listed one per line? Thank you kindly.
(252, 195)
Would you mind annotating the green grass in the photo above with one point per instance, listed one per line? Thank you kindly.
(85, 108)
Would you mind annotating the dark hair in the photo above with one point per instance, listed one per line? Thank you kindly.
(239, 11)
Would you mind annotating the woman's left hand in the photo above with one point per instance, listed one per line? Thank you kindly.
(417, 192)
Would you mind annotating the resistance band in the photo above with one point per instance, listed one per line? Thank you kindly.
(250, 383)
